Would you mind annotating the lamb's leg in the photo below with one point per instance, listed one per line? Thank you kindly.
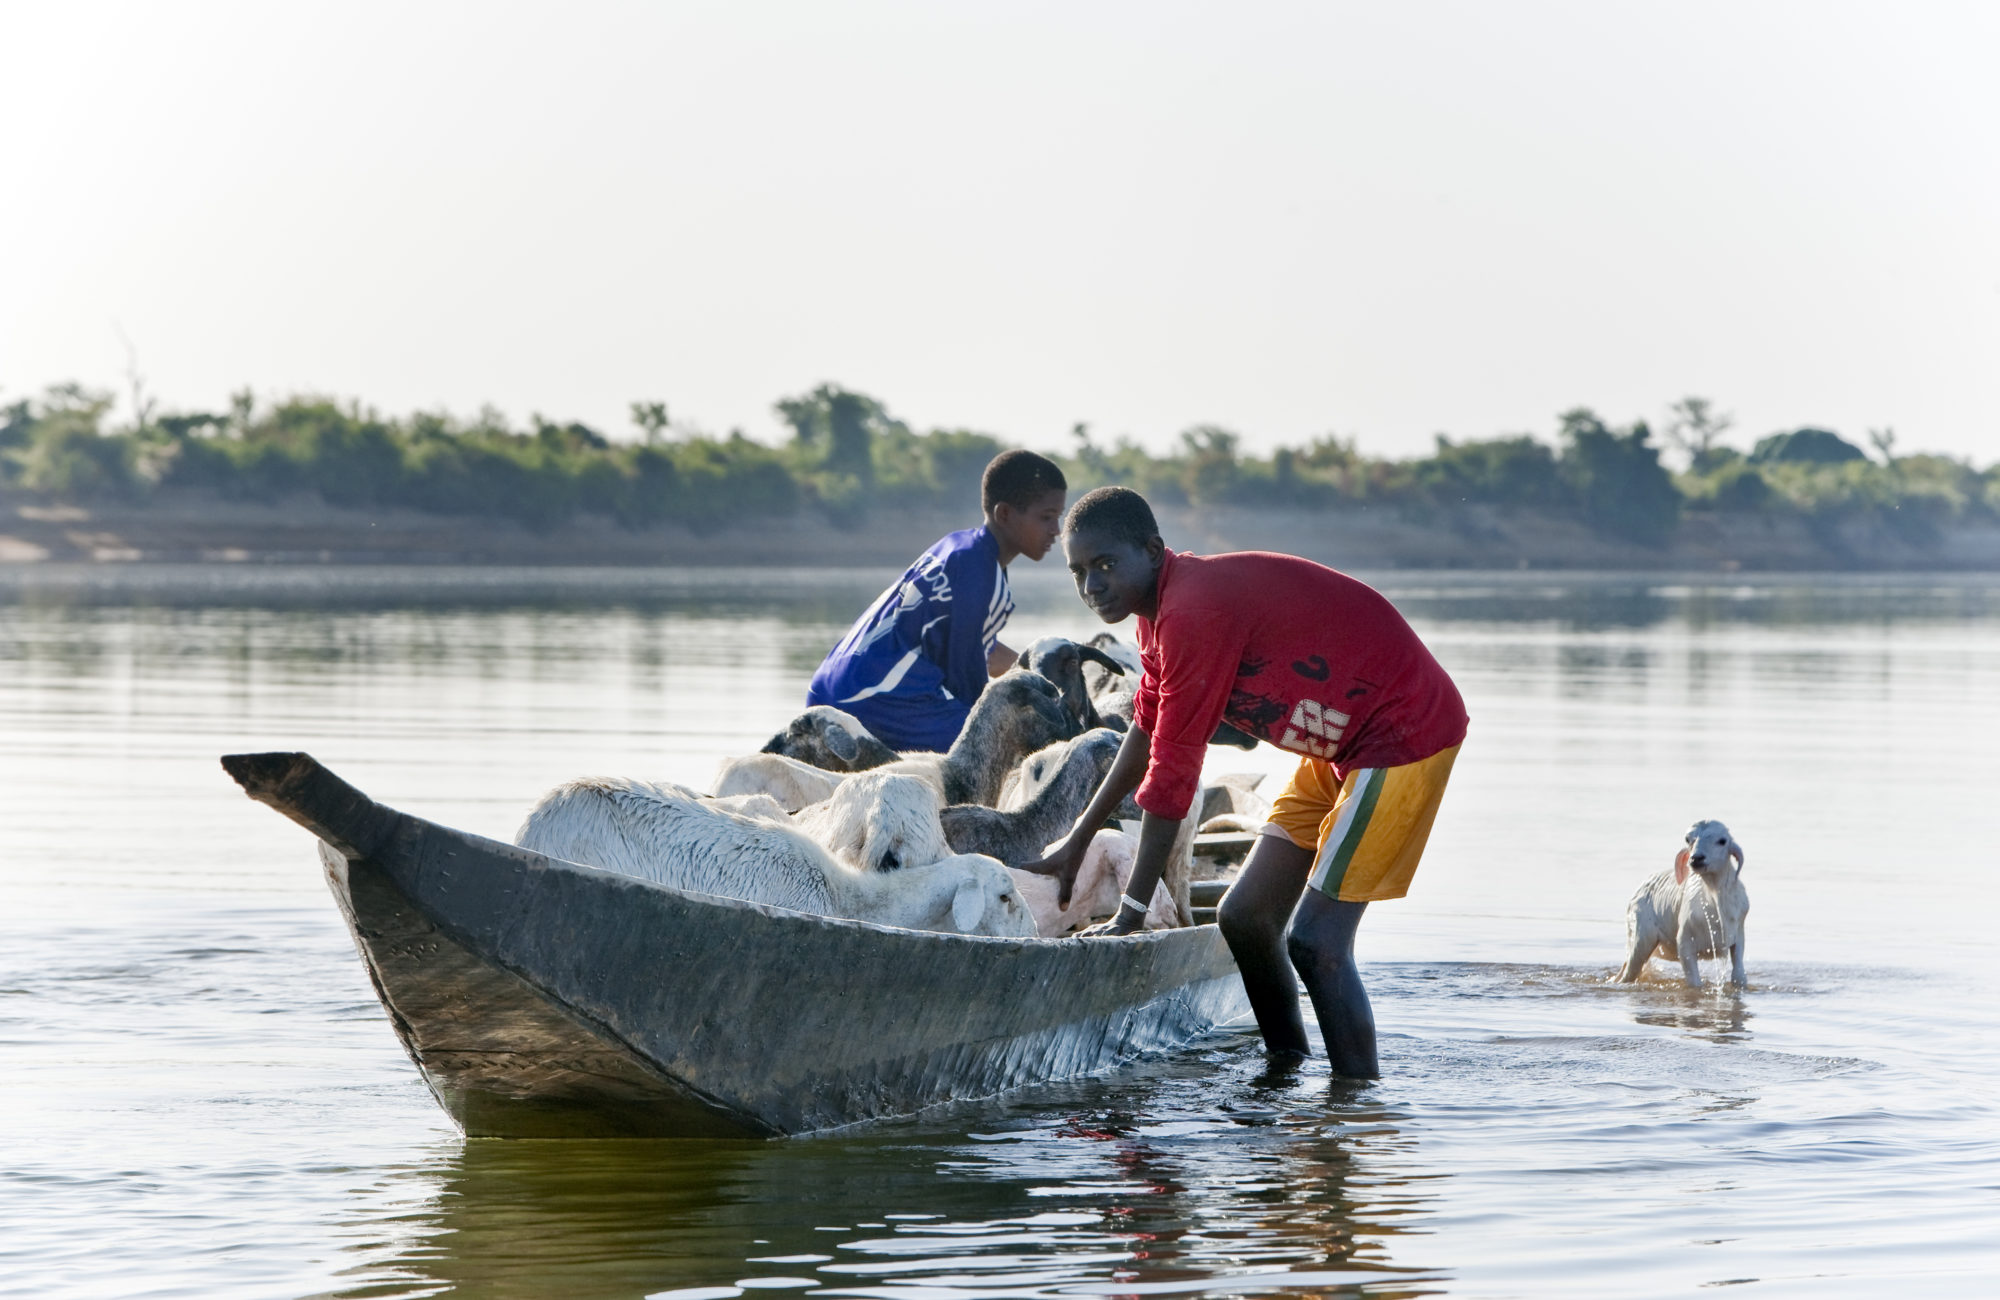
(1736, 961)
(1690, 966)
(1637, 957)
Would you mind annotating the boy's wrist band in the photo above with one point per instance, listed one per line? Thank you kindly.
(1132, 902)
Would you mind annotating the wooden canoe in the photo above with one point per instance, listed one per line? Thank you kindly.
(541, 998)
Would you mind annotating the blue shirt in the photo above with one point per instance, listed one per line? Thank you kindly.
(911, 666)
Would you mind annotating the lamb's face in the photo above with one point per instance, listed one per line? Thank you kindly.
(819, 735)
(879, 821)
(988, 900)
(1709, 846)
(1038, 705)
(1094, 750)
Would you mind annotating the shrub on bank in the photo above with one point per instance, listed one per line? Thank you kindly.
(849, 457)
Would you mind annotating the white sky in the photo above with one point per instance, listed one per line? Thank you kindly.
(1385, 220)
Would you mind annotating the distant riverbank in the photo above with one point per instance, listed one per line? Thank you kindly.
(197, 527)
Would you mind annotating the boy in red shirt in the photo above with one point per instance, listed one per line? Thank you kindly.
(1312, 661)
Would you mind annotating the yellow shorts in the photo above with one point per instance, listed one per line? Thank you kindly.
(1368, 831)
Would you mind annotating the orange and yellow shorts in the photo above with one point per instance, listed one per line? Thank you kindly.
(1366, 832)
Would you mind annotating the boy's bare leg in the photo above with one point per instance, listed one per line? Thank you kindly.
(1253, 916)
(1322, 948)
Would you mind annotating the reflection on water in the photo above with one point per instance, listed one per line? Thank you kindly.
(202, 1098)
(1142, 1178)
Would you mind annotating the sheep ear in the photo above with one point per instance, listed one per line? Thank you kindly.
(1736, 851)
(1681, 867)
(1097, 656)
(843, 744)
(967, 906)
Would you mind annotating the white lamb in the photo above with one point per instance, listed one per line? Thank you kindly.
(790, 782)
(761, 806)
(1692, 910)
(878, 821)
(1100, 882)
(672, 836)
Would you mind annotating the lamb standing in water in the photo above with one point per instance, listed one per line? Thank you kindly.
(674, 837)
(1693, 910)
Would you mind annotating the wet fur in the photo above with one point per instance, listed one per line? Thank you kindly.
(1693, 910)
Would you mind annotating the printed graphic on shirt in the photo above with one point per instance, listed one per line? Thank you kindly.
(930, 572)
(1257, 714)
(1315, 729)
(1313, 668)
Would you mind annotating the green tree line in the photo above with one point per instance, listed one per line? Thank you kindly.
(848, 457)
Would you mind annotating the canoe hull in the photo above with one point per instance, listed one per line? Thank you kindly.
(543, 998)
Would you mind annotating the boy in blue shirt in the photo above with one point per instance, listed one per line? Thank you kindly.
(911, 666)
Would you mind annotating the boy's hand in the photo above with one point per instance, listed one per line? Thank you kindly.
(1126, 922)
(1063, 864)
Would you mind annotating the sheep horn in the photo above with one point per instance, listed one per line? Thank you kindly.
(1096, 656)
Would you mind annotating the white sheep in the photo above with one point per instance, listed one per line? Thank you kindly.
(1692, 910)
(761, 806)
(674, 837)
(1100, 882)
(878, 821)
(791, 782)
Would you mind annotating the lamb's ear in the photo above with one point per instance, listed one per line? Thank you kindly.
(1097, 656)
(1681, 867)
(1736, 851)
(843, 744)
(967, 906)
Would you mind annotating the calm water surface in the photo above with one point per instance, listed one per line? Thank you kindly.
(201, 1096)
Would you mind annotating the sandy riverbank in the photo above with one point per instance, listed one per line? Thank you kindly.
(184, 528)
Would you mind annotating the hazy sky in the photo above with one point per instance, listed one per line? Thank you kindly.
(1384, 220)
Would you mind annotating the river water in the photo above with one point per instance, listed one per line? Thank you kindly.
(201, 1096)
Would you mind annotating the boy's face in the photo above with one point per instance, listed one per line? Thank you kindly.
(1032, 529)
(1115, 577)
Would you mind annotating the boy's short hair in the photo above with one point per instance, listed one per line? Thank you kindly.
(1118, 511)
(1018, 477)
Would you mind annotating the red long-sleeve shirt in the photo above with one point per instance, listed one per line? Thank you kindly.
(1290, 651)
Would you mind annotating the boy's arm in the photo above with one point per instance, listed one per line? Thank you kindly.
(1181, 702)
(1156, 849)
(999, 660)
(1127, 769)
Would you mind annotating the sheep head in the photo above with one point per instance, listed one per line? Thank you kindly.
(1709, 844)
(1061, 661)
(830, 738)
